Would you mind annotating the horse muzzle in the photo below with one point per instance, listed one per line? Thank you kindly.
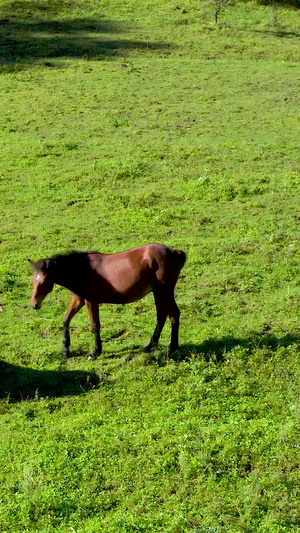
(36, 305)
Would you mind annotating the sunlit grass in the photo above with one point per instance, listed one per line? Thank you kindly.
(124, 124)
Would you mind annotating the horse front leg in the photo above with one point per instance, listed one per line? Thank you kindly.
(93, 309)
(76, 304)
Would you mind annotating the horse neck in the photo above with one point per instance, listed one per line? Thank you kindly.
(67, 272)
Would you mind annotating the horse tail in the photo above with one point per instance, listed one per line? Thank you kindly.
(168, 264)
(182, 257)
(179, 256)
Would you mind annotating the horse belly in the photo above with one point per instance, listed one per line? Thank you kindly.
(135, 293)
(127, 284)
(131, 292)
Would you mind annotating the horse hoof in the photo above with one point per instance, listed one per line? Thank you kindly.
(92, 357)
(173, 349)
(66, 354)
(148, 348)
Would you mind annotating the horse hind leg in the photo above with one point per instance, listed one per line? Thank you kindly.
(170, 308)
(174, 315)
(161, 314)
(166, 306)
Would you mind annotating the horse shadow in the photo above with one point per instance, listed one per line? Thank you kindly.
(212, 349)
(216, 349)
(21, 383)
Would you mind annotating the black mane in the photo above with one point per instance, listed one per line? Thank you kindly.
(71, 261)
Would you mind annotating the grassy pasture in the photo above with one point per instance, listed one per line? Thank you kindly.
(124, 123)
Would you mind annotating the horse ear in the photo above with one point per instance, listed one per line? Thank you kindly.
(31, 263)
(47, 265)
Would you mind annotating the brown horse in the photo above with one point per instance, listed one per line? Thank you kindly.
(118, 278)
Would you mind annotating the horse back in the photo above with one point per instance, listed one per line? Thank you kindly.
(130, 275)
(121, 277)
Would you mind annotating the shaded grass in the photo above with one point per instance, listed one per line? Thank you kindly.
(19, 384)
(26, 41)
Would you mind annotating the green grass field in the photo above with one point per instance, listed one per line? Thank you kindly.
(124, 123)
